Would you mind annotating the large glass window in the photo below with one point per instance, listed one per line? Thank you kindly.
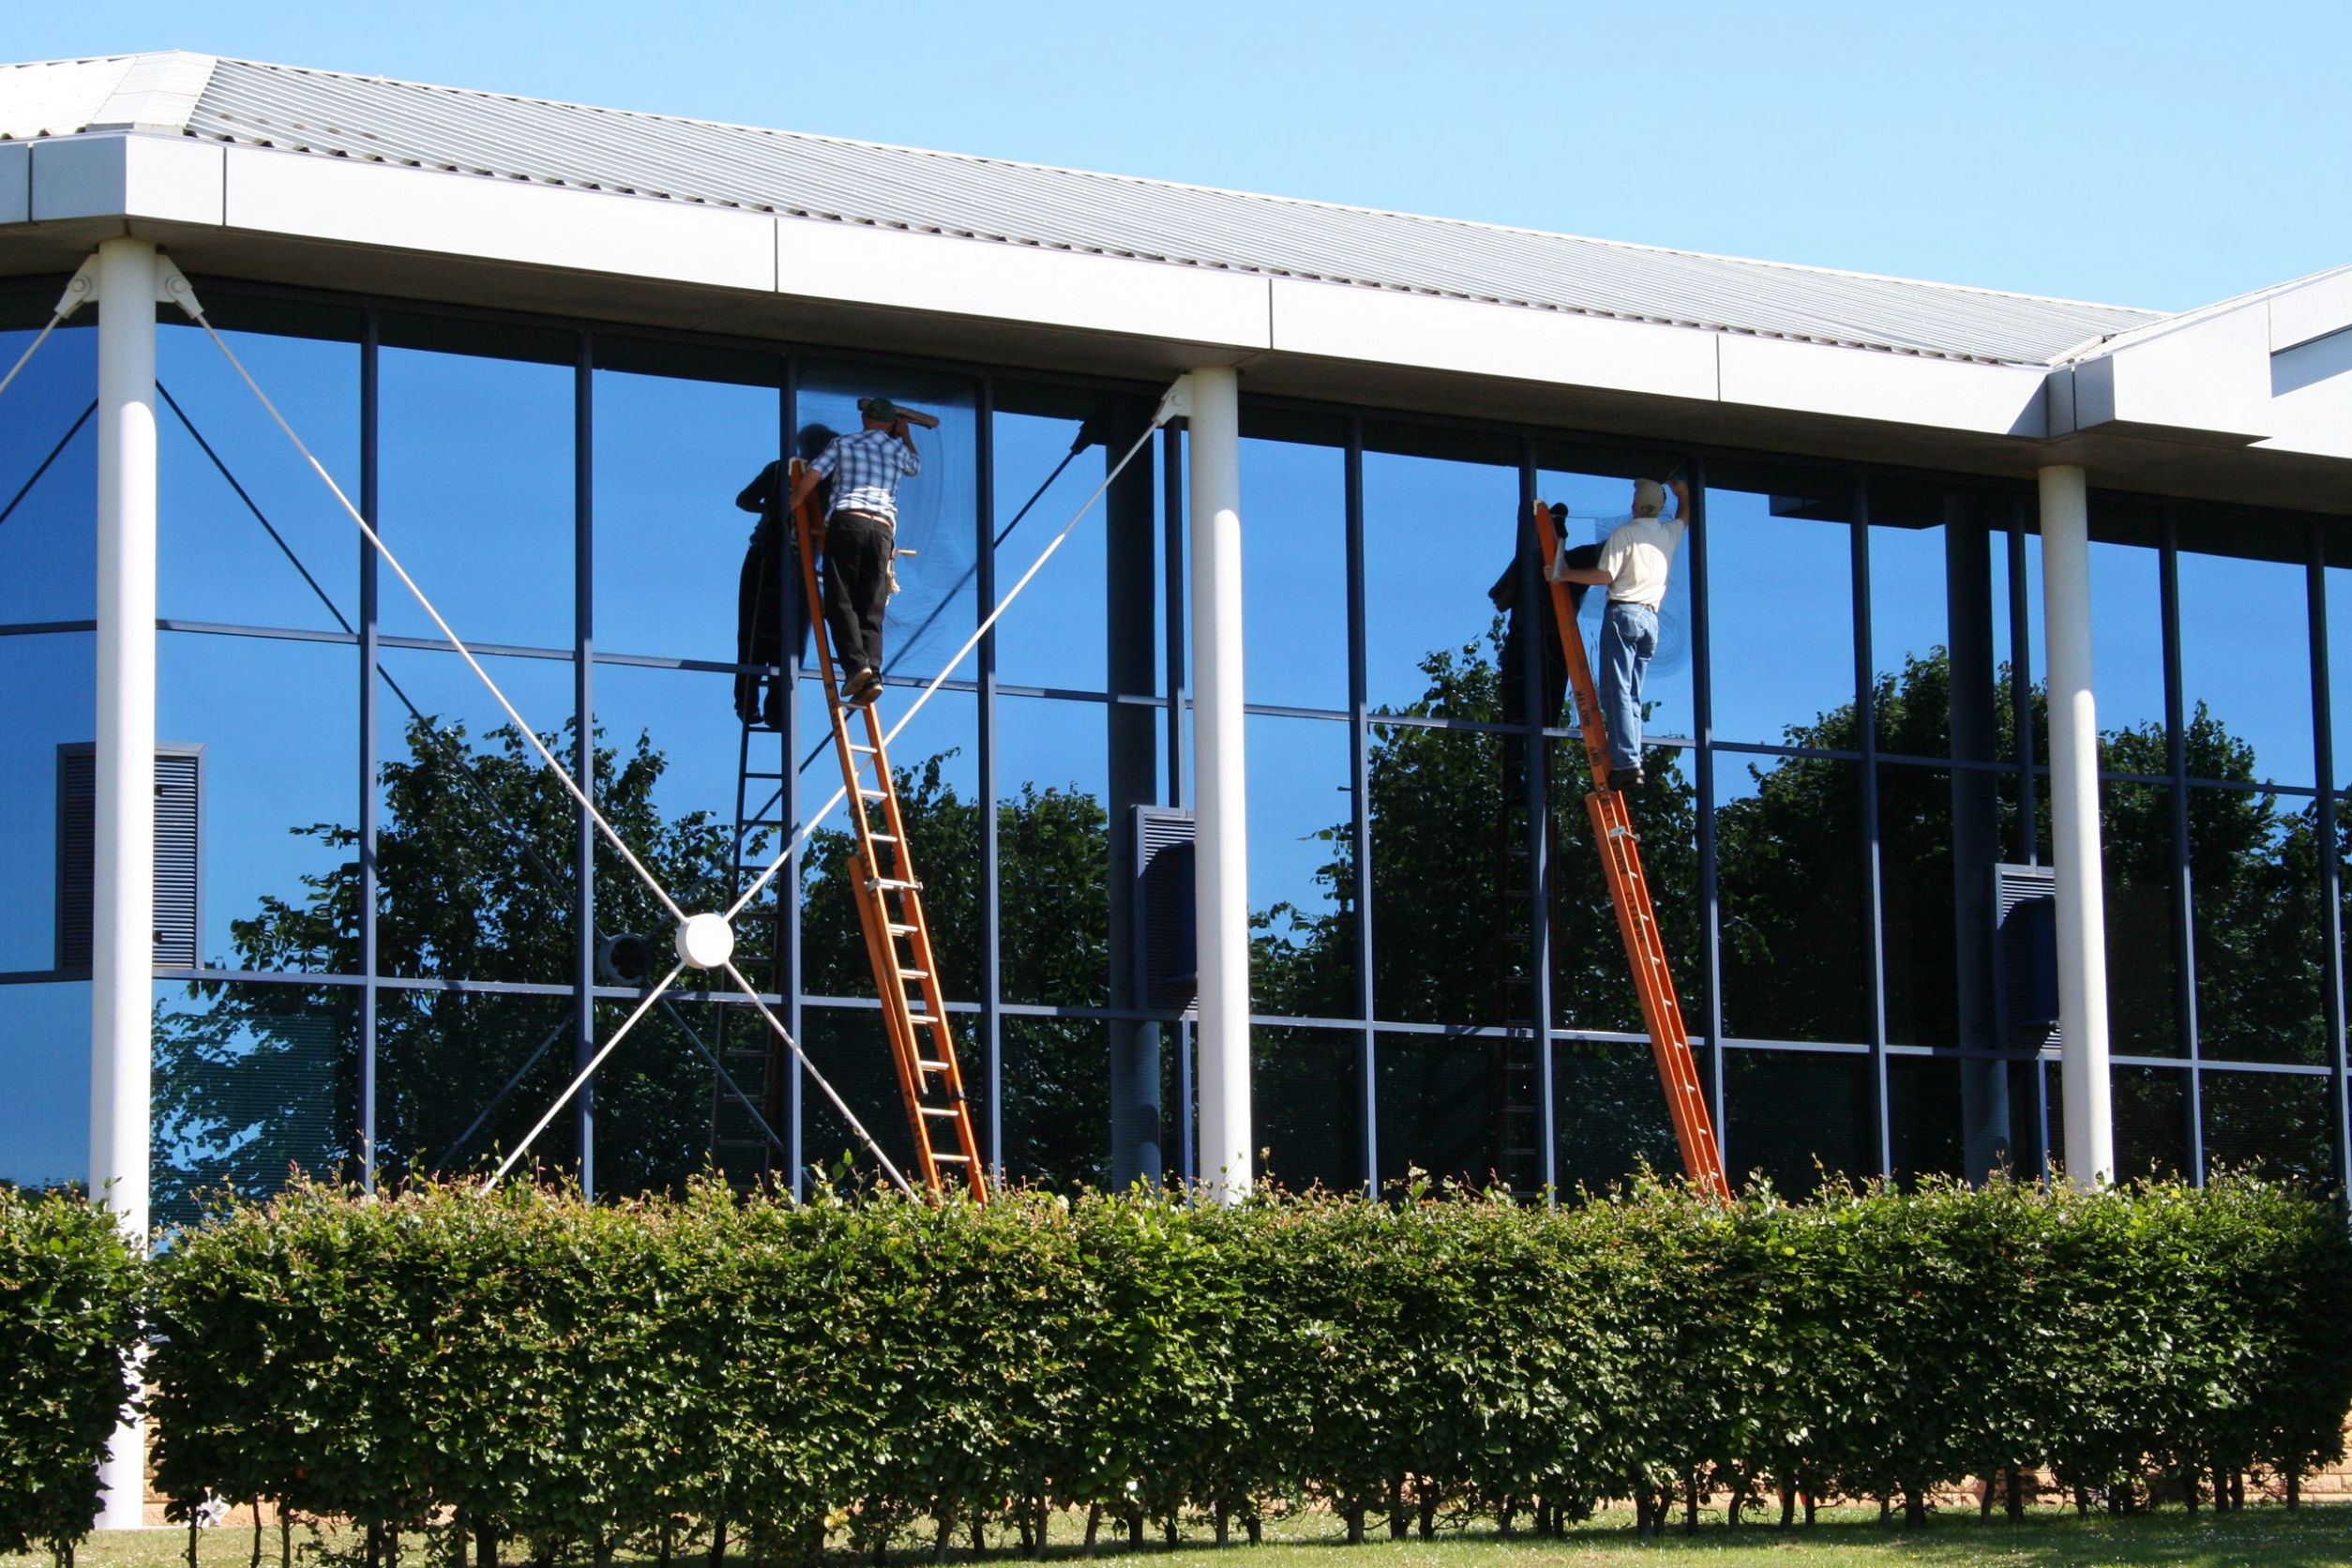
(49, 479)
(246, 534)
(477, 487)
(677, 437)
(1302, 868)
(1780, 607)
(278, 722)
(1294, 569)
(1796, 955)
(2245, 653)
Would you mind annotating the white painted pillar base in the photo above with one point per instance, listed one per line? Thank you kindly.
(1221, 810)
(2082, 939)
(122, 968)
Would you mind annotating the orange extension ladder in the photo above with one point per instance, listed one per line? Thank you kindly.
(890, 909)
(1629, 890)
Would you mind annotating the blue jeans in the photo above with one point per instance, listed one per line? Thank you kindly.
(1629, 635)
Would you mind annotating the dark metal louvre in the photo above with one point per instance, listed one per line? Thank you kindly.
(2025, 957)
(179, 884)
(1167, 950)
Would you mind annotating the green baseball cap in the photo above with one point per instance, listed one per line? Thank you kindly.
(879, 409)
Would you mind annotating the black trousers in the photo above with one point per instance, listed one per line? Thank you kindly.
(858, 548)
(770, 615)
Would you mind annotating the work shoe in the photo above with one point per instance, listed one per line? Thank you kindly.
(865, 685)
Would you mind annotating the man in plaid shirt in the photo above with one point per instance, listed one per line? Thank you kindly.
(861, 533)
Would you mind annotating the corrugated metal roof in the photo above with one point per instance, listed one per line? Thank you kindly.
(822, 178)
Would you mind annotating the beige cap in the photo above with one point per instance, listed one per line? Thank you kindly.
(1648, 498)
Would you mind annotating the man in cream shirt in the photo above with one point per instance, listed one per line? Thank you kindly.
(1634, 564)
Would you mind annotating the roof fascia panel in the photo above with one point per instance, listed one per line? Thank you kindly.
(2208, 379)
(1907, 389)
(2317, 309)
(16, 182)
(859, 263)
(410, 209)
(122, 176)
(1336, 321)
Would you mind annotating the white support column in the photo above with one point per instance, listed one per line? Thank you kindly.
(1221, 811)
(2082, 939)
(122, 957)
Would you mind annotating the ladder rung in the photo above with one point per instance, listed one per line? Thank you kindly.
(861, 746)
(949, 1159)
(898, 931)
(891, 884)
(914, 974)
(884, 837)
(865, 793)
(950, 1112)
(930, 1066)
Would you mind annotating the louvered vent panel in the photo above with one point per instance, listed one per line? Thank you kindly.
(1165, 949)
(179, 884)
(2025, 957)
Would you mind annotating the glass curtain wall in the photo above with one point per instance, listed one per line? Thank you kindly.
(408, 935)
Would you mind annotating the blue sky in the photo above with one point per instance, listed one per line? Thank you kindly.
(2156, 154)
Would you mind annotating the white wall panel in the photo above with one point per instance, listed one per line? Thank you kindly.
(463, 214)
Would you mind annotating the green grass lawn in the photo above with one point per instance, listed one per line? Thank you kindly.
(2316, 1536)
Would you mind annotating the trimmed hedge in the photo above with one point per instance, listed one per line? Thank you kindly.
(579, 1376)
(68, 1313)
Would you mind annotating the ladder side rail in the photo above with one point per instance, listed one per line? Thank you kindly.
(923, 959)
(1661, 1012)
(872, 912)
(1629, 894)
(1596, 743)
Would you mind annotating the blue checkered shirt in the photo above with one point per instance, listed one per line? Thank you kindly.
(867, 466)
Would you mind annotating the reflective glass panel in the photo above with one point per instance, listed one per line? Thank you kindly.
(1780, 607)
(1610, 1114)
(475, 841)
(251, 1082)
(2253, 880)
(476, 495)
(279, 721)
(2143, 970)
(1794, 1115)
(1302, 868)
(2275, 1122)
(246, 533)
(1307, 1096)
(1451, 879)
(2245, 662)
(1295, 574)
(1439, 533)
(1592, 988)
(1464, 1107)
(1923, 1115)
(1054, 855)
(1918, 931)
(673, 452)
(1796, 958)
(45, 1055)
(1056, 637)
(49, 479)
(2151, 1120)
(48, 699)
